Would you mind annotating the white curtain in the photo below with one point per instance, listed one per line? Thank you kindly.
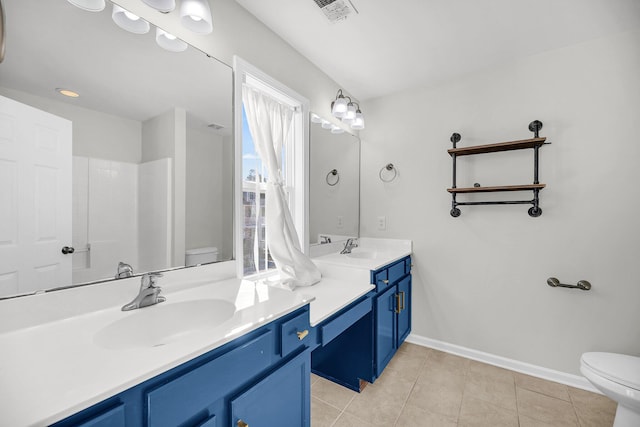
(270, 123)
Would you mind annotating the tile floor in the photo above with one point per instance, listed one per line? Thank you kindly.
(426, 387)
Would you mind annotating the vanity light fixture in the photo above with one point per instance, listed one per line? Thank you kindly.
(67, 92)
(128, 21)
(195, 15)
(316, 118)
(339, 105)
(164, 6)
(89, 5)
(344, 108)
(169, 42)
(358, 121)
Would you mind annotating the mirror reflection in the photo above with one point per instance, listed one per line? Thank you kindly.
(137, 169)
(334, 183)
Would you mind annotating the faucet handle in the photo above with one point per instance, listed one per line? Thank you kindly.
(149, 280)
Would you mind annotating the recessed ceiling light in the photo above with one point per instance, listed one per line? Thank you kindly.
(67, 92)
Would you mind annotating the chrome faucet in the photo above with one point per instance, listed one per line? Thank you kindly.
(351, 243)
(124, 270)
(149, 293)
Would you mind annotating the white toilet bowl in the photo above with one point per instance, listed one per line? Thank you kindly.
(618, 377)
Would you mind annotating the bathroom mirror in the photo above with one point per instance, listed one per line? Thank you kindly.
(334, 181)
(151, 151)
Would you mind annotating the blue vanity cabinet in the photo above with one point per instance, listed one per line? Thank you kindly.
(280, 399)
(392, 310)
(259, 378)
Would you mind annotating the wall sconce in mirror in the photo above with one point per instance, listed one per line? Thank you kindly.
(388, 173)
(89, 5)
(128, 21)
(169, 41)
(345, 109)
(195, 15)
(326, 124)
(164, 6)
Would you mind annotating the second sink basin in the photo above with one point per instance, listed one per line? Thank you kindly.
(163, 323)
(362, 254)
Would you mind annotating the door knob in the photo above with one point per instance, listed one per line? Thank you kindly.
(67, 250)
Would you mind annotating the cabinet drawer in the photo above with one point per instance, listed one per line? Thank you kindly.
(112, 418)
(336, 326)
(177, 401)
(295, 333)
(396, 271)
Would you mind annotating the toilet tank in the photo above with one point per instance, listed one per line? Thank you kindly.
(201, 255)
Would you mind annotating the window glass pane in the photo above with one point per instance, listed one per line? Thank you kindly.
(256, 257)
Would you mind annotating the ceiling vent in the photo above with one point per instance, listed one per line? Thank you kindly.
(336, 10)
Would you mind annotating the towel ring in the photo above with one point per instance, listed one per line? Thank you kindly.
(335, 173)
(388, 167)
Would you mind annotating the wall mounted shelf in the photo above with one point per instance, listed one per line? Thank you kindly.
(535, 143)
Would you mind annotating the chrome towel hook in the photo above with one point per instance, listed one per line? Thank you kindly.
(333, 172)
(582, 284)
(388, 167)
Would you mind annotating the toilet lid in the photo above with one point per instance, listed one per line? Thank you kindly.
(620, 368)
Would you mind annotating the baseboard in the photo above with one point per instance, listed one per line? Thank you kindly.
(576, 381)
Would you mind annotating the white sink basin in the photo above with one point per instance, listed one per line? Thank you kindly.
(163, 323)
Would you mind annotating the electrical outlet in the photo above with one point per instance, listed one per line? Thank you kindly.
(382, 223)
(339, 221)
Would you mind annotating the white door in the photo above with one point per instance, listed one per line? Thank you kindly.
(35, 198)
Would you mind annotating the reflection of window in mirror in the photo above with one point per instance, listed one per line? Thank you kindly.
(255, 179)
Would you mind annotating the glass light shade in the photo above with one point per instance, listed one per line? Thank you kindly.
(316, 118)
(161, 5)
(339, 107)
(128, 21)
(358, 122)
(195, 15)
(336, 129)
(169, 41)
(326, 124)
(90, 5)
(350, 114)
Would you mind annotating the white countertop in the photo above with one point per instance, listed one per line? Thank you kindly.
(371, 254)
(55, 369)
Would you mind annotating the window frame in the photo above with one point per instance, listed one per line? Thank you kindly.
(297, 177)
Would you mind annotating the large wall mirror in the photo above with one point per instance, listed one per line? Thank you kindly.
(147, 176)
(334, 181)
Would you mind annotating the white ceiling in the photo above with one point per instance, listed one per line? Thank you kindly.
(391, 46)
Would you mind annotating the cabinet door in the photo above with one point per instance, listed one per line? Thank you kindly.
(404, 317)
(281, 399)
(386, 342)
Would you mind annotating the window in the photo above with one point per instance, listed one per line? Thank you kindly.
(252, 178)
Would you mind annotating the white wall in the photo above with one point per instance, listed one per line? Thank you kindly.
(480, 279)
(95, 134)
(204, 193)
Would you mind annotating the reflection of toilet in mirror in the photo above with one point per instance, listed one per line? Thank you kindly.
(201, 256)
(618, 377)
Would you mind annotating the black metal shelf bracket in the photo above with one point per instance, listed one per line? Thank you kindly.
(535, 211)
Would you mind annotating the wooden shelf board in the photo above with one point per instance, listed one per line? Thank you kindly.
(500, 146)
(497, 188)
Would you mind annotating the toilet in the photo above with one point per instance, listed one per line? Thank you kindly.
(618, 377)
(201, 256)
